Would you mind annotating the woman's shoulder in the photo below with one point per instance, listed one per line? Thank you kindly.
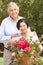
(34, 33)
(35, 36)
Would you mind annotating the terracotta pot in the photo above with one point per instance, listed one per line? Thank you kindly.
(24, 60)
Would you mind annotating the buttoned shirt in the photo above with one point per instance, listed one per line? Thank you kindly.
(8, 27)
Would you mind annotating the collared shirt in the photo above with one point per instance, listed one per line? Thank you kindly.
(8, 27)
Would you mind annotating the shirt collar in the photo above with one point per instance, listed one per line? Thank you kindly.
(12, 19)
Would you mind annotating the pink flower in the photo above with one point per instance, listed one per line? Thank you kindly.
(13, 54)
(27, 49)
(32, 57)
(22, 43)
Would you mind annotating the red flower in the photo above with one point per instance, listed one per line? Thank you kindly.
(27, 49)
(22, 43)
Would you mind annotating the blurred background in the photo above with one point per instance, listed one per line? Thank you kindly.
(32, 10)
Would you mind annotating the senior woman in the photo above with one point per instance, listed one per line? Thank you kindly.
(8, 29)
(23, 26)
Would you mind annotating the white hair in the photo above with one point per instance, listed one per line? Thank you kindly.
(10, 4)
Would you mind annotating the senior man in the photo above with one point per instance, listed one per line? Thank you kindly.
(8, 29)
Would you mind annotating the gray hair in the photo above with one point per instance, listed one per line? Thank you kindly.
(10, 4)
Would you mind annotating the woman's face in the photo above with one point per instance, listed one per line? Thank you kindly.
(23, 27)
(13, 11)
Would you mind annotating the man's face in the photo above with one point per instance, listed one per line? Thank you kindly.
(13, 11)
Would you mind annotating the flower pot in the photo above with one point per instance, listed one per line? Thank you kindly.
(24, 60)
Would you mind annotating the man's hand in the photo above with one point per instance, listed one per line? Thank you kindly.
(15, 35)
(12, 42)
